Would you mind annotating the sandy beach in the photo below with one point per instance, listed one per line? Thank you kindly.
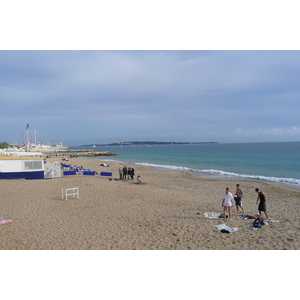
(165, 212)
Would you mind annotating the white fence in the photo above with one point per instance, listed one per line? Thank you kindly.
(52, 170)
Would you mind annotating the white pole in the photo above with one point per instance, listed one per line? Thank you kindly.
(27, 125)
(26, 139)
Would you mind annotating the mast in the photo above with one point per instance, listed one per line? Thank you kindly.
(27, 125)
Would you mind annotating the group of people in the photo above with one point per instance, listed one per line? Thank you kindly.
(126, 173)
(227, 201)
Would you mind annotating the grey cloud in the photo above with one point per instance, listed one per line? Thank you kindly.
(165, 92)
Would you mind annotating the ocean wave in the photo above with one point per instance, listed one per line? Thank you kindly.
(106, 159)
(168, 167)
(258, 177)
(220, 173)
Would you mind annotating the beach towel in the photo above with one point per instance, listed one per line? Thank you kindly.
(222, 216)
(104, 165)
(246, 217)
(5, 221)
(272, 221)
(225, 227)
(212, 215)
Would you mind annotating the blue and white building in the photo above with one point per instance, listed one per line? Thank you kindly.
(21, 167)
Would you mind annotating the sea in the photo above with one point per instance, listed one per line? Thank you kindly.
(277, 162)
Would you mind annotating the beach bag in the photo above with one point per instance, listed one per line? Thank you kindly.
(258, 222)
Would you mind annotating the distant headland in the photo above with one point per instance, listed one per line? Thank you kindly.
(147, 143)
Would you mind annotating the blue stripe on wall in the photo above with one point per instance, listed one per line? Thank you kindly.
(22, 175)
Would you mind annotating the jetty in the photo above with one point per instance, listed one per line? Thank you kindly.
(84, 153)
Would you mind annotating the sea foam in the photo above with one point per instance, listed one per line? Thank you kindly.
(224, 174)
(218, 173)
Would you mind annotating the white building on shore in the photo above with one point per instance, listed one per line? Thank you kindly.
(32, 149)
(21, 167)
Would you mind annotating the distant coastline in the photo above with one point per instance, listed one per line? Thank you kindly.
(136, 143)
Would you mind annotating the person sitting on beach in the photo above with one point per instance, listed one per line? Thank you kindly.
(238, 200)
(138, 179)
(262, 202)
(227, 203)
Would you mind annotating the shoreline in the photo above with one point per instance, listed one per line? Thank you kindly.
(206, 175)
(165, 212)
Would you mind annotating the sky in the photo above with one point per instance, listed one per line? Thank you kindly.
(86, 97)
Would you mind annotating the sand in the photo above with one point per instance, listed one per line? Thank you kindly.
(165, 212)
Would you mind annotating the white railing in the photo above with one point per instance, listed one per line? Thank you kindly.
(70, 192)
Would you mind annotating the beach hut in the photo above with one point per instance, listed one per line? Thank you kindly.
(21, 167)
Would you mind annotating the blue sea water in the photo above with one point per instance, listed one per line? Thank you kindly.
(275, 162)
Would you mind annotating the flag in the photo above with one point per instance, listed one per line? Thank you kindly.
(27, 126)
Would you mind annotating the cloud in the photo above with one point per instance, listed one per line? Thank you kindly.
(76, 95)
(277, 134)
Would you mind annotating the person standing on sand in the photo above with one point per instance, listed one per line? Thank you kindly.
(238, 201)
(262, 203)
(121, 172)
(129, 173)
(227, 203)
(125, 170)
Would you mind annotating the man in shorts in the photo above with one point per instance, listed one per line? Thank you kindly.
(238, 200)
(262, 202)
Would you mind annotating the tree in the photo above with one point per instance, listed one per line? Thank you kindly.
(4, 145)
